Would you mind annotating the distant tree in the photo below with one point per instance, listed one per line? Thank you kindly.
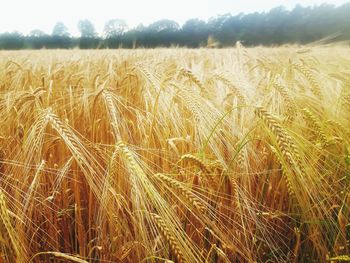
(14, 40)
(135, 37)
(218, 22)
(275, 27)
(115, 28)
(195, 32)
(88, 35)
(113, 31)
(60, 37)
(60, 30)
(140, 28)
(230, 30)
(37, 33)
(162, 33)
(87, 29)
(37, 39)
(194, 25)
(164, 24)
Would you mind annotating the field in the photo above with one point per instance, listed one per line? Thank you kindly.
(175, 155)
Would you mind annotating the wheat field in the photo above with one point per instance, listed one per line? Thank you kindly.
(175, 155)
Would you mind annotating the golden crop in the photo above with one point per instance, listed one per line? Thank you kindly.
(175, 155)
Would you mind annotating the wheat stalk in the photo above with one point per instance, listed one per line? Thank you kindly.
(315, 123)
(196, 161)
(165, 232)
(8, 234)
(285, 143)
(315, 87)
(184, 191)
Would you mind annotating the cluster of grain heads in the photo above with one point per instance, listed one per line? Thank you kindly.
(161, 155)
(315, 123)
(164, 230)
(285, 143)
(314, 86)
(11, 247)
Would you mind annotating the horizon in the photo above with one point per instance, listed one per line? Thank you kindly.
(204, 10)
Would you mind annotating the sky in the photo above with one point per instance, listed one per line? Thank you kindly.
(26, 15)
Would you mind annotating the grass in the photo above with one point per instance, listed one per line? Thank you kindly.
(175, 155)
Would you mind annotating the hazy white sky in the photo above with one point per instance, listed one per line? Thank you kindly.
(25, 15)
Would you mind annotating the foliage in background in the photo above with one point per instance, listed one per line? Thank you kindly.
(278, 26)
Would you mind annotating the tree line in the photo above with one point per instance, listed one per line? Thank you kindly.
(278, 26)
